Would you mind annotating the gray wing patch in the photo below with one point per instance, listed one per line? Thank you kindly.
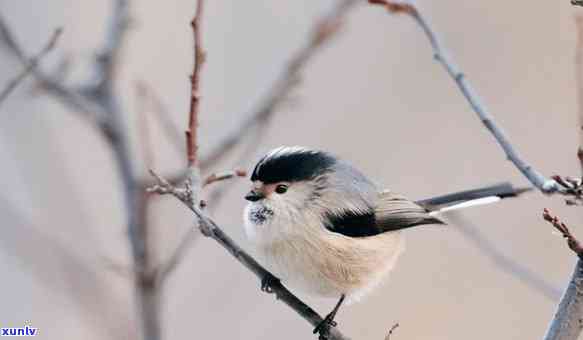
(395, 212)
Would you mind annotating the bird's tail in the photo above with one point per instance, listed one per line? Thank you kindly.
(470, 198)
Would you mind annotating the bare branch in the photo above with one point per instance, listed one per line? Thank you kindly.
(544, 184)
(323, 31)
(32, 64)
(506, 263)
(210, 229)
(199, 59)
(68, 97)
(567, 324)
(391, 330)
(572, 241)
(109, 56)
(221, 176)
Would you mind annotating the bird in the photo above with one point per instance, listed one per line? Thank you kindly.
(320, 225)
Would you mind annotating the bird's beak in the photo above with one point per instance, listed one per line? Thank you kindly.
(254, 196)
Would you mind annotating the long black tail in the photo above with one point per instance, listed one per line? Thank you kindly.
(465, 198)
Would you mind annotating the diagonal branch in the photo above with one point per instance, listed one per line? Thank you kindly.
(32, 64)
(503, 261)
(68, 97)
(544, 184)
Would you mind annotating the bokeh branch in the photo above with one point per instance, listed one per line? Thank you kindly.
(68, 97)
(101, 104)
(32, 64)
(322, 32)
(503, 261)
(544, 184)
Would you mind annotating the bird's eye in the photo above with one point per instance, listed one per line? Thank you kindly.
(280, 189)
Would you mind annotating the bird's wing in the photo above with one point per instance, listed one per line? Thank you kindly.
(394, 212)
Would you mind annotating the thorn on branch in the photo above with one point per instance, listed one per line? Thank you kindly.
(573, 243)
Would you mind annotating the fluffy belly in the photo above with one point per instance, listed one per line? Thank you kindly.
(335, 264)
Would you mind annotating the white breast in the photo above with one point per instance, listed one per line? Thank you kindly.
(332, 264)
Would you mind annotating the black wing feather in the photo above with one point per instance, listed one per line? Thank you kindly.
(393, 212)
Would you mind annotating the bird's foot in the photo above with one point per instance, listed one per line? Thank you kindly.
(323, 328)
(267, 282)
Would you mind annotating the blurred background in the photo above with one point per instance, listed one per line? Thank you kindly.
(373, 96)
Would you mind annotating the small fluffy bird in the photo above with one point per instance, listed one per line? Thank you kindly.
(319, 225)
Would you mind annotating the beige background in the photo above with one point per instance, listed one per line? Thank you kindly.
(374, 97)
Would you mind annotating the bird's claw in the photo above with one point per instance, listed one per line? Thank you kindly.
(267, 282)
(323, 328)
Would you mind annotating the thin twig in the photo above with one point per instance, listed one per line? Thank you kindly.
(323, 31)
(221, 176)
(543, 183)
(32, 64)
(391, 330)
(66, 96)
(210, 229)
(199, 59)
(506, 263)
(572, 241)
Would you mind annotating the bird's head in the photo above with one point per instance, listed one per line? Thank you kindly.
(297, 186)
